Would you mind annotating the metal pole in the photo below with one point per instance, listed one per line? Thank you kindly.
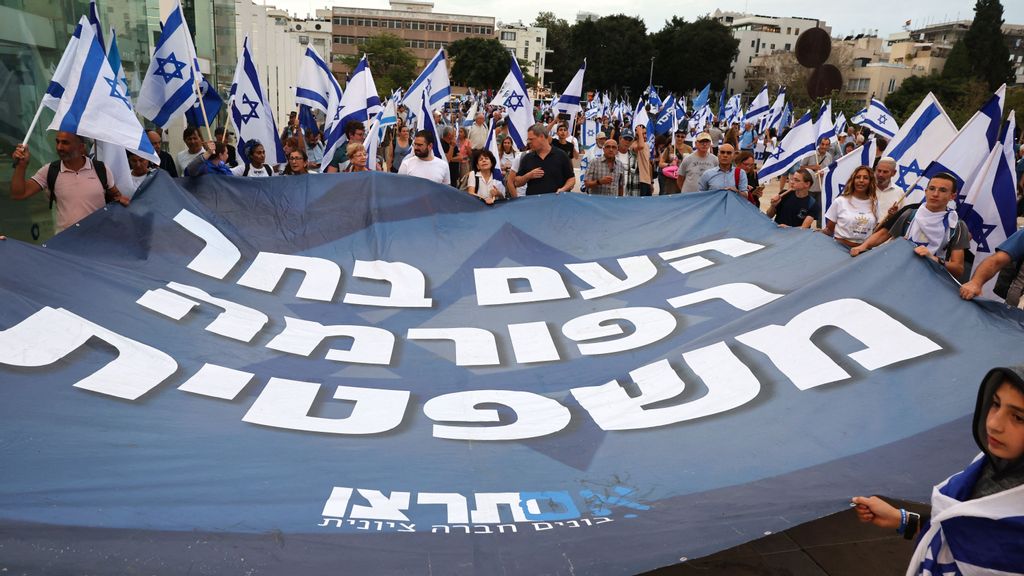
(650, 80)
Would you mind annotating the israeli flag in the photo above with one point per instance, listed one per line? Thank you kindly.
(840, 123)
(375, 132)
(733, 109)
(774, 116)
(212, 103)
(758, 106)
(492, 146)
(569, 101)
(168, 89)
(826, 127)
(721, 103)
(588, 140)
(834, 182)
(920, 140)
(964, 156)
(512, 96)
(969, 536)
(252, 116)
(93, 104)
(316, 86)
(797, 145)
(877, 117)
(112, 155)
(359, 103)
(989, 207)
(433, 80)
(787, 118)
(666, 119)
(653, 100)
(94, 21)
(701, 120)
(55, 89)
(426, 122)
(702, 99)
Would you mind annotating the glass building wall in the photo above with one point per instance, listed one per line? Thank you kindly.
(33, 35)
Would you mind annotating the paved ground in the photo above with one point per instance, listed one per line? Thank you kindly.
(837, 545)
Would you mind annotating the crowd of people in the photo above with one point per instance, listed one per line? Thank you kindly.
(622, 161)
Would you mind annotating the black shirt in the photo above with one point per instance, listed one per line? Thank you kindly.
(557, 169)
(792, 210)
(568, 147)
(454, 168)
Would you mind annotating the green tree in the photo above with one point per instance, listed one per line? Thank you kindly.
(982, 52)
(618, 52)
(478, 62)
(960, 97)
(691, 54)
(561, 60)
(390, 62)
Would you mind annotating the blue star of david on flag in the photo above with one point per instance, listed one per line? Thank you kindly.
(912, 168)
(114, 92)
(778, 152)
(251, 114)
(514, 101)
(161, 68)
(883, 119)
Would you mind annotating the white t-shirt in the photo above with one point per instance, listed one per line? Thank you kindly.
(521, 190)
(855, 219)
(432, 168)
(185, 158)
(483, 191)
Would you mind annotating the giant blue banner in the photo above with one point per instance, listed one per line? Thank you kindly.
(372, 374)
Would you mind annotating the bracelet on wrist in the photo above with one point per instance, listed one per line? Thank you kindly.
(903, 522)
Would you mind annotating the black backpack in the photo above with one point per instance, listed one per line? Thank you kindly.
(54, 170)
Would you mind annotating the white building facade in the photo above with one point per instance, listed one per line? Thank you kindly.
(761, 35)
(529, 43)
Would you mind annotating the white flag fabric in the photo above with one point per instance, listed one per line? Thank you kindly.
(386, 118)
(316, 86)
(826, 126)
(964, 156)
(799, 143)
(252, 115)
(168, 89)
(426, 122)
(877, 117)
(776, 111)
(433, 80)
(588, 140)
(93, 104)
(834, 182)
(113, 155)
(513, 97)
(758, 106)
(920, 140)
(840, 123)
(569, 101)
(359, 103)
(492, 146)
(55, 89)
(989, 207)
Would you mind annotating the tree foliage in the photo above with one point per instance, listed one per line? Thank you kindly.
(691, 54)
(392, 64)
(618, 52)
(560, 60)
(960, 97)
(478, 62)
(982, 52)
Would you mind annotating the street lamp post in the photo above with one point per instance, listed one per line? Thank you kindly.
(650, 80)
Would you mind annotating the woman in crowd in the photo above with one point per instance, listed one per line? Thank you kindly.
(732, 136)
(975, 525)
(451, 154)
(297, 163)
(852, 217)
(480, 181)
(401, 148)
(141, 169)
(508, 159)
(745, 161)
(215, 162)
(256, 168)
(795, 207)
(668, 163)
(465, 149)
(357, 157)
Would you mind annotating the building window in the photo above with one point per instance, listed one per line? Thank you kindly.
(510, 36)
(796, 31)
(336, 21)
(773, 46)
(526, 53)
(444, 27)
(789, 30)
(892, 85)
(336, 39)
(539, 41)
(751, 43)
(788, 47)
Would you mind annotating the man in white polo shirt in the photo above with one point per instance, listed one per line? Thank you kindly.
(422, 163)
(890, 196)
